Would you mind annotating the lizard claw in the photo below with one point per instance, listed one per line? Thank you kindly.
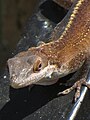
(65, 91)
(76, 86)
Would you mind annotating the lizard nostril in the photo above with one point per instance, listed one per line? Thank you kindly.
(13, 77)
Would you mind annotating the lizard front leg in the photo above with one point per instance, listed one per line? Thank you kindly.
(64, 3)
(81, 76)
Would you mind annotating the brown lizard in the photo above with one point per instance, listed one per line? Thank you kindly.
(48, 62)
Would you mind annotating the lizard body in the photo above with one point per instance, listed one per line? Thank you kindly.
(48, 62)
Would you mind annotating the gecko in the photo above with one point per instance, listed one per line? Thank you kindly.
(48, 62)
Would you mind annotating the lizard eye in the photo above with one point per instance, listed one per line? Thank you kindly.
(37, 66)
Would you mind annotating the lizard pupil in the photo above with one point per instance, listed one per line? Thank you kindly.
(39, 66)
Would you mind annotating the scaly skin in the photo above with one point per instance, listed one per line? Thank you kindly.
(48, 62)
(64, 3)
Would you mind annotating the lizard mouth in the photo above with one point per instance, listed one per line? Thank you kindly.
(13, 82)
(34, 78)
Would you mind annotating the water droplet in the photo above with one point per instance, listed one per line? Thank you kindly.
(5, 77)
(45, 24)
(24, 37)
(40, 117)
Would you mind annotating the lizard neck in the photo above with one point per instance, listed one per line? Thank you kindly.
(75, 37)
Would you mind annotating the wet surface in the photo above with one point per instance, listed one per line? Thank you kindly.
(4, 89)
(39, 102)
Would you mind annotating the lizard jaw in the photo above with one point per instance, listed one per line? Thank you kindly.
(43, 77)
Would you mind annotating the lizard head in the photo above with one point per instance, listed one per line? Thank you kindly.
(28, 68)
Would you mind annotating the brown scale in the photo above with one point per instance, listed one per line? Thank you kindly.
(74, 41)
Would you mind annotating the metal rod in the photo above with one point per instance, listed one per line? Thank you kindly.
(77, 105)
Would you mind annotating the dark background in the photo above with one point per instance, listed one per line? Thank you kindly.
(41, 102)
(13, 16)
